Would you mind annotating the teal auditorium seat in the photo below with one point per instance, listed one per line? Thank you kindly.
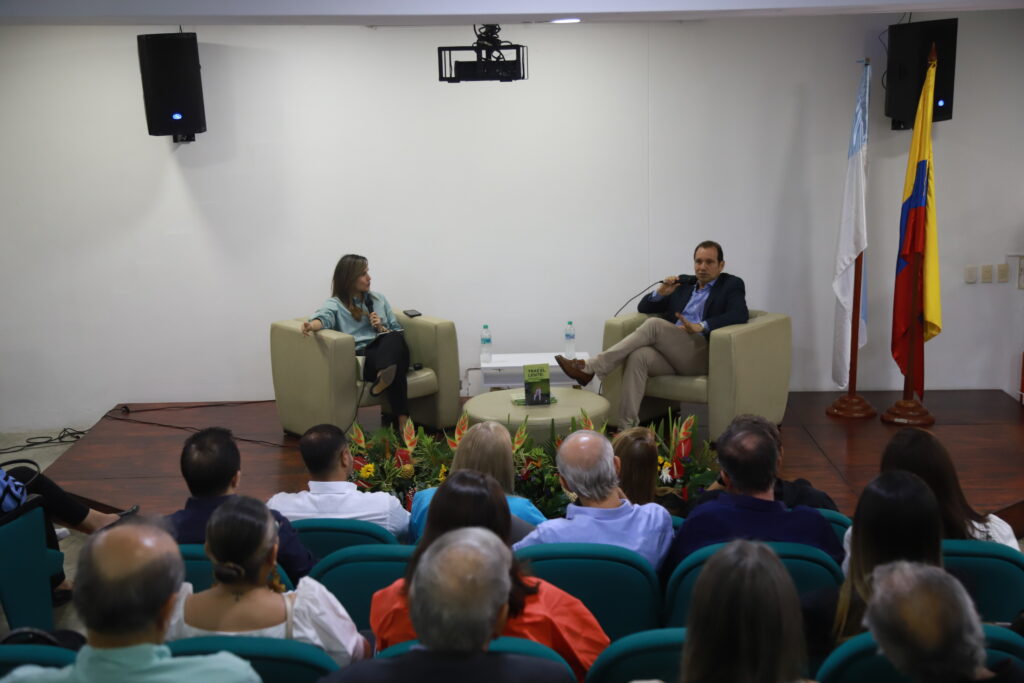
(199, 568)
(27, 566)
(991, 572)
(677, 522)
(13, 656)
(840, 522)
(324, 536)
(506, 644)
(810, 568)
(274, 659)
(859, 659)
(648, 655)
(354, 574)
(617, 585)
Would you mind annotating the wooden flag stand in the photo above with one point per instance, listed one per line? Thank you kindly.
(908, 410)
(853, 405)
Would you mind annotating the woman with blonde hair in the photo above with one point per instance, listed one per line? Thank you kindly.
(485, 447)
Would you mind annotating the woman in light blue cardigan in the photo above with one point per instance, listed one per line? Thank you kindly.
(487, 448)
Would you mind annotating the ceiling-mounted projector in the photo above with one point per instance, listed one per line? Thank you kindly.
(496, 59)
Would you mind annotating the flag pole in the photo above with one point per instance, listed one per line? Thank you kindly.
(908, 410)
(852, 405)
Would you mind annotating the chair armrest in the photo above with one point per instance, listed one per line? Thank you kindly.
(755, 356)
(618, 328)
(433, 342)
(314, 377)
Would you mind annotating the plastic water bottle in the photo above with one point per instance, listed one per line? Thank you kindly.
(570, 340)
(485, 345)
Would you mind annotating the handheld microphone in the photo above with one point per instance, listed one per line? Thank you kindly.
(368, 300)
(686, 279)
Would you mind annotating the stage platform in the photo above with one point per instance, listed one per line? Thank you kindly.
(131, 455)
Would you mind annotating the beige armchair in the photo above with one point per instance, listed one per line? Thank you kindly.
(317, 379)
(748, 372)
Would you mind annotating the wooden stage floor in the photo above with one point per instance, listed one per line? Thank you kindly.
(131, 455)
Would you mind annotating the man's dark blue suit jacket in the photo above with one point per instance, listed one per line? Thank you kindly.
(726, 304)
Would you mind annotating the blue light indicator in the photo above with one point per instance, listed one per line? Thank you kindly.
(177, 117)
(942, 103)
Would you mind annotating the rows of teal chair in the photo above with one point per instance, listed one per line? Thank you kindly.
(859, 659)
(323, 536)
(13, 656)
(274, 659)
(504, 644)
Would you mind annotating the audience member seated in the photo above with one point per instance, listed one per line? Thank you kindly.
(744, 622)
(637, 451)
(918, 451)
(247, 598)
(487, 448)
(126, 586)
(17, 483)
(212, 468)
(926, 625)
(331, 495)
(747, 509)
(792, 493)
(589, 471)
(537, 610)
(896, 518)
(458, 602)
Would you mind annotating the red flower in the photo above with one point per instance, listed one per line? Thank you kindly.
(403, 456)
(408, 498)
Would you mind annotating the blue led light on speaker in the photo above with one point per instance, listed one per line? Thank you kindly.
(941, 103)
(177, 117)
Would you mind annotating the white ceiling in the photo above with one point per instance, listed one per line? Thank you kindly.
(449, 12)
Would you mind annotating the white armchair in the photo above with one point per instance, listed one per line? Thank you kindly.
(317, 379)
(748, 372)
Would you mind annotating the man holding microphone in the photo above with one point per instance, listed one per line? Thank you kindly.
(674, 342)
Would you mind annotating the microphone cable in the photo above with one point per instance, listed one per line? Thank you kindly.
(656, 282)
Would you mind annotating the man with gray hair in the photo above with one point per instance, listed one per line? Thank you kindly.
(925, 623)
(589, 471)
(458, 602)
(128, 578)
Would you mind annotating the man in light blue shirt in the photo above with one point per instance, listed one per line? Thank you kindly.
(127, 583)
(588, 468)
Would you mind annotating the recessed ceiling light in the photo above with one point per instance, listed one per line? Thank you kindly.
(568, 20)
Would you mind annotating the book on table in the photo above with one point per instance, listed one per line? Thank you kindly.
(537, 383)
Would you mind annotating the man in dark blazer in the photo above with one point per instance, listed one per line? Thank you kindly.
(674, 342)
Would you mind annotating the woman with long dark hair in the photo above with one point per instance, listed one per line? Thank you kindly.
(537, 610)
(247, 598)
(920, 452)
(637, 451)
(897, 518)
(744, 622)
(367, 316)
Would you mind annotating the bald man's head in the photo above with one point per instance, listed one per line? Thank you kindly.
(126, 575)
(586, 461)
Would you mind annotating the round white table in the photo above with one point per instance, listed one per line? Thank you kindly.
(499, 406)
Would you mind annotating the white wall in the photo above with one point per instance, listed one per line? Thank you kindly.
(137, 270)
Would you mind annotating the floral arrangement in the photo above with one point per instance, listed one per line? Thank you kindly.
(402, 464)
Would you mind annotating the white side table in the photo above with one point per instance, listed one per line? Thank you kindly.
(506, 369)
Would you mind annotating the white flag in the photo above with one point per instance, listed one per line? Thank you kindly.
(853, 238)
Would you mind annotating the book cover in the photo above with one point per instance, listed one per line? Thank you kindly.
(537, 380)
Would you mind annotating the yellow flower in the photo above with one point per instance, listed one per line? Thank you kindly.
(442, 473)
(367, 471)
(407, 471)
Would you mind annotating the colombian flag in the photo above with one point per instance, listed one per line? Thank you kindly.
(918, 235)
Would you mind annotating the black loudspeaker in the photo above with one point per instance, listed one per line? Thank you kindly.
(171, 86)
(909, 45)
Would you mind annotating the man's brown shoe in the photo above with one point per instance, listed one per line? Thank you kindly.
(574, 369)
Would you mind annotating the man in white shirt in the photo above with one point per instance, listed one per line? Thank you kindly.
(331, 495)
